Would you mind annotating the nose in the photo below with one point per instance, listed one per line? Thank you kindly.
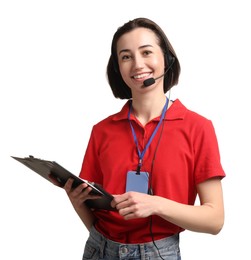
(138, 62)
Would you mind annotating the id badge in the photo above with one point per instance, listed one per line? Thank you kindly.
(137, 182)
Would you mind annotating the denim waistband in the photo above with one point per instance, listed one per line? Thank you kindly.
(118, 250)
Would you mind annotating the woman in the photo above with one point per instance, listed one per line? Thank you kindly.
(155, 156)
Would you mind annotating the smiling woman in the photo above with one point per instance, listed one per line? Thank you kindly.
(155, 156)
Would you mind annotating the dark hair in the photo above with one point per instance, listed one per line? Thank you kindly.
(117, 84)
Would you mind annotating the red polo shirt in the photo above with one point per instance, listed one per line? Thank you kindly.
(187, 154)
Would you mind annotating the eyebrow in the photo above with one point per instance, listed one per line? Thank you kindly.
(141, 47)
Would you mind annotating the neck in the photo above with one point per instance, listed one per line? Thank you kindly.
(145, 109)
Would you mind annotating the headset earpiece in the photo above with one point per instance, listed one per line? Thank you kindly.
(169, 59)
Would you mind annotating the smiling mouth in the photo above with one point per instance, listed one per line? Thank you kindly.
(141, 76)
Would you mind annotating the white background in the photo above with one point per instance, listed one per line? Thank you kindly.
(53, 88)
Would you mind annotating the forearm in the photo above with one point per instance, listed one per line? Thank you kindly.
(78, 196)
(86, 215)
(206, 218)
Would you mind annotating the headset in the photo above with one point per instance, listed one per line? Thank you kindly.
(168, 59)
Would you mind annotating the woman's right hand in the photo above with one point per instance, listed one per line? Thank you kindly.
(79, 194)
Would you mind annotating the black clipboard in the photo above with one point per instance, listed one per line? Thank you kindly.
(52, 170)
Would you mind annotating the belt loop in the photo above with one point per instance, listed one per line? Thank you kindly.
(102, 247)
(142, 251)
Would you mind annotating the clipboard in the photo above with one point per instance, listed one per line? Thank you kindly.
(52, 170)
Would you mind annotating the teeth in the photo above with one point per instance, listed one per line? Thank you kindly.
(141, 76)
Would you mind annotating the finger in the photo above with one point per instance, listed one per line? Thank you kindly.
(54, 180)
(84, 190)
(124, 205)
(126, 213)
(68, 185)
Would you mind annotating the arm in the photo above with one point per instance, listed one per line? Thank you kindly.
(207, 218)
(77, 197)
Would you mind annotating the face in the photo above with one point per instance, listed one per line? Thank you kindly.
(140, 57)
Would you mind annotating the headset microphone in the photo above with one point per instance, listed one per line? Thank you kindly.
(150, 81)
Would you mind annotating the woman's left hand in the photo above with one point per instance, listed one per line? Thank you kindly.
(132, 204)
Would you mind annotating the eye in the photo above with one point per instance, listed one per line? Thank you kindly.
(125, 57)
(147, 53)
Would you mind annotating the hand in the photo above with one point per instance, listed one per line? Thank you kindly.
(78, 195)
(54, 180)
(132, 205)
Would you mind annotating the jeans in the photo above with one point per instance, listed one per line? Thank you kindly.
(100, 248)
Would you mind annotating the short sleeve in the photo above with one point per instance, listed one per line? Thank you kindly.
(207, 155)
(91, 166)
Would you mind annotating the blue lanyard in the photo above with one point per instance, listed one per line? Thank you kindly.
(141, 154)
